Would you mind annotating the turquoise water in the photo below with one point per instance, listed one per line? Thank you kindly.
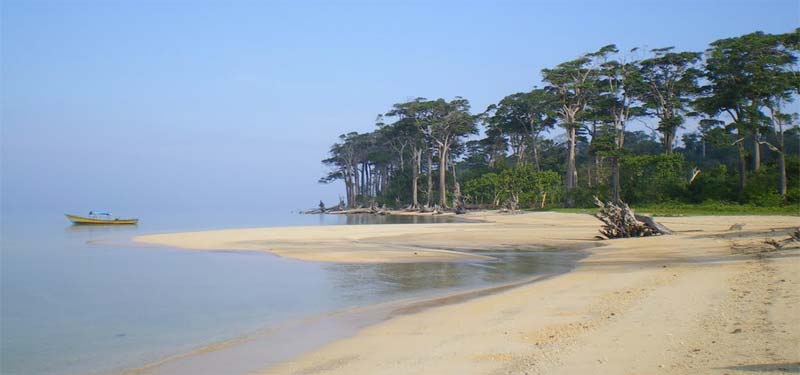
(78, 299)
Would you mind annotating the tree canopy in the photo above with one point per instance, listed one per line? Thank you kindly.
(730, 103)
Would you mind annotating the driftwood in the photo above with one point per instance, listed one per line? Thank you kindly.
(323, 210)
(653, 224)
(619, 221)
(737, 226)
(794, 237)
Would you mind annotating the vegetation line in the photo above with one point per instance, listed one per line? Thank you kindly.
(743, 157)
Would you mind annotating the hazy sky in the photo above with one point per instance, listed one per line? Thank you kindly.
(190, 105)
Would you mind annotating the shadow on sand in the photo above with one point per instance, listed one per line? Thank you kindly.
(789, 367)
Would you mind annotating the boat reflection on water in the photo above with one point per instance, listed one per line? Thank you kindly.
(100, 228)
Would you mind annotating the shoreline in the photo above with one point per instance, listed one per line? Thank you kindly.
(349, 321)
(579, 320)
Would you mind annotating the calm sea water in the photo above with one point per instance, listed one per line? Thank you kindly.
(82, 300)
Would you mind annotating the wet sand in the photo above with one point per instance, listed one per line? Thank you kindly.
(693, 302)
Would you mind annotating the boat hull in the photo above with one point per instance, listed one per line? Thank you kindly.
(80, 220)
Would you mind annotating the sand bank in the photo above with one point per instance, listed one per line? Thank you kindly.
(388, 242)
(680, 304)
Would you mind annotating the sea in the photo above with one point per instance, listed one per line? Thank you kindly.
(89, 300)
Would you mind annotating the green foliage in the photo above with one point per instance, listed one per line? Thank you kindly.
(484, 190)
(793, 195)
(529, 187)
(716, 183)
(583, 196)
(760, 189)
(653, 178)
(521, 183)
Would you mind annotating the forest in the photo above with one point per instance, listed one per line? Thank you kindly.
(605, 124)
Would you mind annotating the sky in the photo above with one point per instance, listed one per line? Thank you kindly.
(199, 106)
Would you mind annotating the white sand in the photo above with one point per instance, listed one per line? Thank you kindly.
(680, 304)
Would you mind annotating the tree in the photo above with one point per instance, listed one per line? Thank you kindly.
(522, 117)
(413, 121)
(450, 122)
(750, 83)
(620, 87)
(747, 74)
(572, 83)
(343, 160)
(780, 121)
(782, 86)
(668, 83)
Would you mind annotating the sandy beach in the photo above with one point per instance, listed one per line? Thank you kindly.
(704, 300)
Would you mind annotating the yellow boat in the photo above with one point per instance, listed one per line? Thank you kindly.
(102, 218)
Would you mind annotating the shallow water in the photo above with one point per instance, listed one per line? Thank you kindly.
(78, 299)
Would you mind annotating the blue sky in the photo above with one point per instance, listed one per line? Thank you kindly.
(191, 105)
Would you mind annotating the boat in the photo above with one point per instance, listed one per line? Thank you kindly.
(99, 217)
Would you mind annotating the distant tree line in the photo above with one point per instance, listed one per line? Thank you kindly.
(745, 149)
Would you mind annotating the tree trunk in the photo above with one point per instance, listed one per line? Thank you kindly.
(415, 178)
(443, 176)
(571, 180)
(615, 178)
(385, 179)
(742, 167)
(589, 178)
(355, 184)
(535, 153)
(669, 140)
(756, 151)
(348, 187)
(782, 171)
(430, 179)
(782, 160)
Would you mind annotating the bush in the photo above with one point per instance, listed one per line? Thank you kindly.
(761, 188)
(793, 196)
(653, 178)
(485, 189)
(520, 184)
(715, 184)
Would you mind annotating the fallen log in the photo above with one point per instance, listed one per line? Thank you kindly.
(661, 228)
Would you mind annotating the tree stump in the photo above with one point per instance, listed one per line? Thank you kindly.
(619, 221)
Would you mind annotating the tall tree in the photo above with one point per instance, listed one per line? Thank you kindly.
(522, 117)
(619, 89)
(783, 87)
(573, 84)
(747, 74)
(450, 122)
(416, 113)
(669, 82)
(344, 161)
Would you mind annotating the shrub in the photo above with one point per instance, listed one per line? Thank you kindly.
(714, 184)
(520, 184)
(761, 188)
(653, 178)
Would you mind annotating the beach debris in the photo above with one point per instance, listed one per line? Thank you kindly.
(737, 226)
(322, 209)
(458, 200)
(794, 237)
(768, 244)
(619, 221)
